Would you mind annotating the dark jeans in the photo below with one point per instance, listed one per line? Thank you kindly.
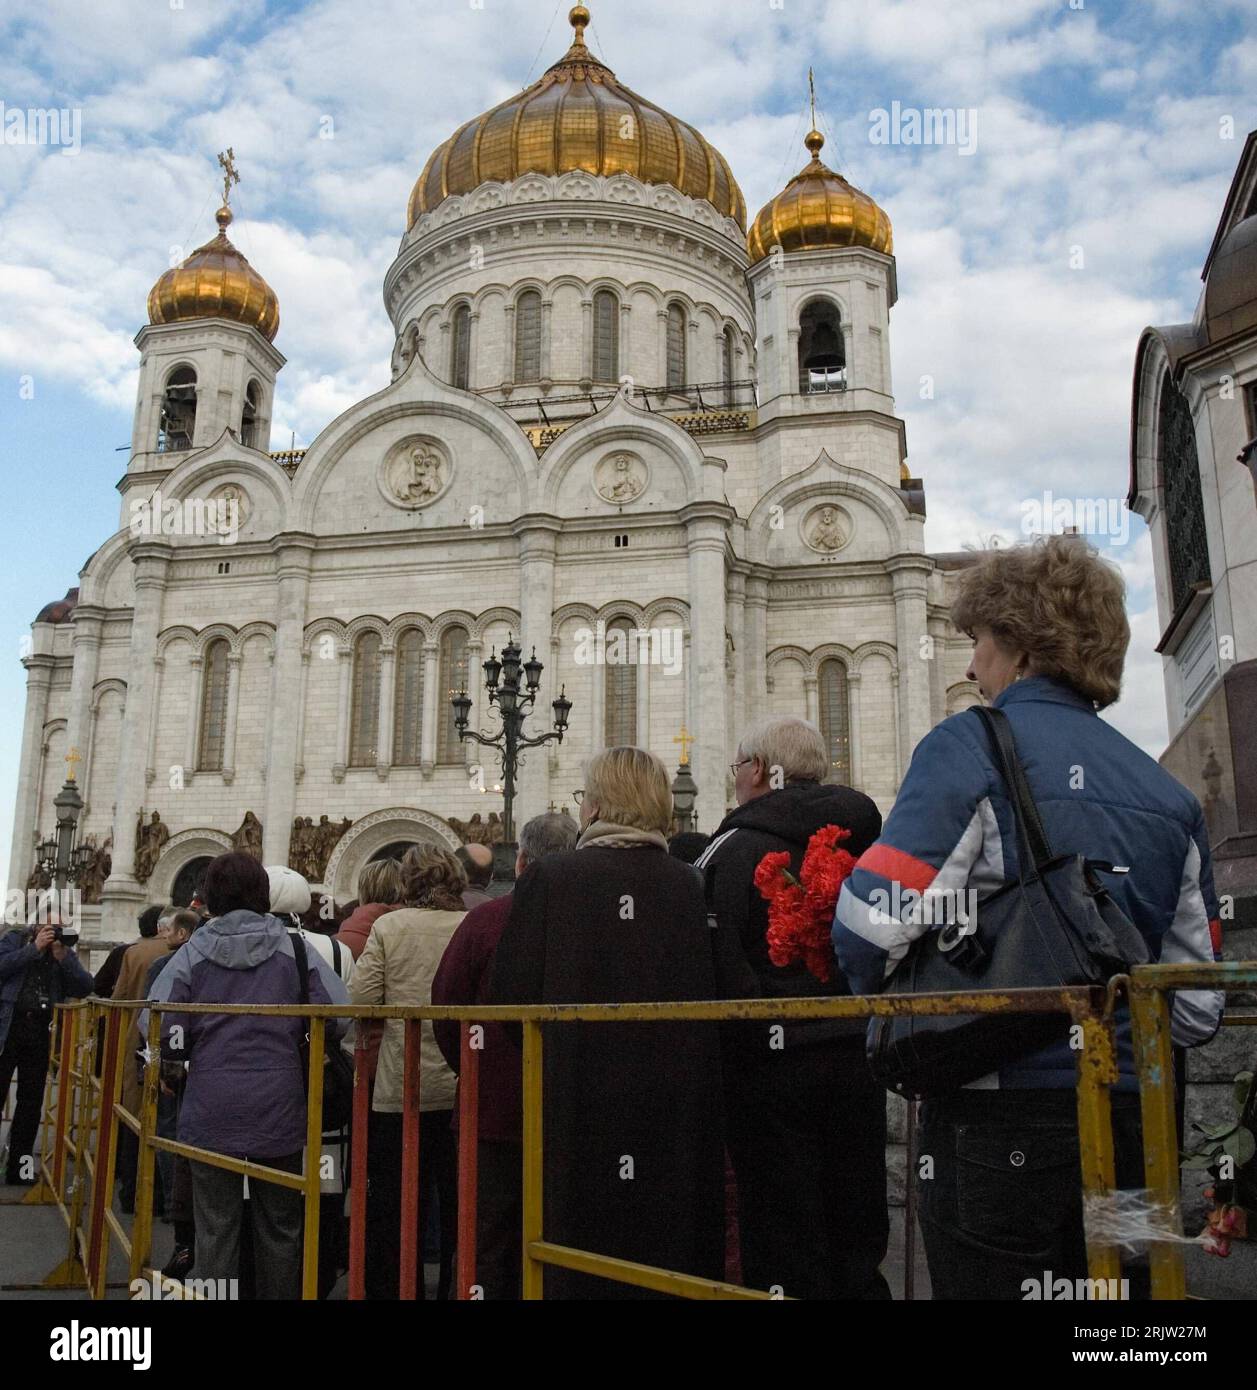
(26, 1052)
(807, 1136)
(499, 1219)
(275, 1218)
(1004, 1203)
(438, 1177)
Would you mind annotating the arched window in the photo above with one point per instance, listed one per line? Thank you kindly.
(528, 337)
(676, 345)
(835, 719)
(606, 336)
(460, 348)
(177, 424)
(408, 699)
(214, 707)
(1185, 532)
(250, 425)
(364, 725)
(454, 677)
(728, 358)
(822, 354)
(620, 710)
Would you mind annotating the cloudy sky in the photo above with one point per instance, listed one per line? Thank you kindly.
(1107, 132)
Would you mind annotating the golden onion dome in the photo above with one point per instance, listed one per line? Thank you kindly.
(216, 282)
(577, 116)
(818, 209)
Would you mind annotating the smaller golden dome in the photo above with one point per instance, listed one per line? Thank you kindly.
(216, 282)
(818, 209)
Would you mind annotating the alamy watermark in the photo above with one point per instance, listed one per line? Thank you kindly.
(42, 125)
(640, 646)
(189, 516)
(1087, 516)
(930, 125)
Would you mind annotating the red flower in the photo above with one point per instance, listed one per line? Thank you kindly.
(801, 910)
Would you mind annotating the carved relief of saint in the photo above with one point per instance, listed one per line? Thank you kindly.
(413, 475)
(826, 532)
(620, 479)
(424, 476)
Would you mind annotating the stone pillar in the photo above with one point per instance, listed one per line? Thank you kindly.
(299, 771)
(345, 655)
(123, 895)
(706, 524)
(547, 365)
(662, 367)
(586, 372)
(191, 747)
(508, 347)
(39, 669)
(432, 711)
(910, 575)
(853, 707)
(476, 753)
(538, 539)
(88, 621)
(737, 629)
(233, 717)
(150, 761)
(642, 734)
(293, 557)
(598, 697)
(810, 700)
(384, 714)
(755, 627)
(552, 749)
(897, 719)
(473, 341)
(624, 366)
(938, 670)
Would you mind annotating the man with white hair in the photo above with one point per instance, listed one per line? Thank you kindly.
(806, 1121)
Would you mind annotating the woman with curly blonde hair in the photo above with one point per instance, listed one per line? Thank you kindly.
(1049, 631)
(397, 966)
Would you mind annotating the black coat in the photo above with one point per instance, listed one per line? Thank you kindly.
(633, 1114)
(782, 820)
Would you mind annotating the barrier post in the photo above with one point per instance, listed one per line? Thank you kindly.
(106, 1148)
(146, 1159)
(358, 1177)
(1154, 1063)
(70, 1272)
(468, 1138)
(533, 1269)
(1097, 1071)
(65, 1090)
(410, 1271)
(314, 1159)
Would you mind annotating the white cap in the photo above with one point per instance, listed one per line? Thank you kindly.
(289, 891)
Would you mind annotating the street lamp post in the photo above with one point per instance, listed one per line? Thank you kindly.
(514, 702)
(60, 860)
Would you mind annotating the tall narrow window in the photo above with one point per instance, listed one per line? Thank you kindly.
(528, 337)
(1180, 478)
(822, 353)
(177, 423)
(364, 729)
(408, 699)
(460, 348)
(620, 722)
(835, 719)
(728, 357)
(454, 677)
(249, 423)
(606, 336)
(676, 345)
(214, 707)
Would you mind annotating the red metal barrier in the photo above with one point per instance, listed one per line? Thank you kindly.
(358, 1176)
(468, 1134)
(410, 1270)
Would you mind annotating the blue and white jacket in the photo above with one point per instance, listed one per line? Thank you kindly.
(952, 829)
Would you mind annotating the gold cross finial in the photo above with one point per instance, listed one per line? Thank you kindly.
(73, 757)
(684, 738)
(811, 89)
(227, 159)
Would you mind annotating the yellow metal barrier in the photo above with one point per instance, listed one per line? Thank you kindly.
(91, 1220)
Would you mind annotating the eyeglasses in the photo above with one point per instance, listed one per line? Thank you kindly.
(578, 795)
(733, 767)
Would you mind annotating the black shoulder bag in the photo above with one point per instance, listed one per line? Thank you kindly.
(338, 1072)
(1054, 925)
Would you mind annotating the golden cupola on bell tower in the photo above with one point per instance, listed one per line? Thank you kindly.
(207, 360)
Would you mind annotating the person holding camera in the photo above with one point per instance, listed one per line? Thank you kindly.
(38, 969)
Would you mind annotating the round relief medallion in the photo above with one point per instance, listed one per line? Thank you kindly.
(621, 478)
(236, 502)
(826, 529)
(414, 473)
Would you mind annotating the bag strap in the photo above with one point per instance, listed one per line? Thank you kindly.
(1029, 825)
(303, 966)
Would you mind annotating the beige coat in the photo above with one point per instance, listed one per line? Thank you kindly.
(396, 967)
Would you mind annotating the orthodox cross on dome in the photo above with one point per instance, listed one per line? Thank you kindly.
(578, 18)
(231, 176)
(684, 738)
(811, 91)
(73, 758)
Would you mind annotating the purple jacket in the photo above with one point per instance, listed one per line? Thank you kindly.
(245, 1094)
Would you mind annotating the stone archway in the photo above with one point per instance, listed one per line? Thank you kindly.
(180, 850)
(374, 832)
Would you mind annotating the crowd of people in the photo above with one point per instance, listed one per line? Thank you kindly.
(747, 1151)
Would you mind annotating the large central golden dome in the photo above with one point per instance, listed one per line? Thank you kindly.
(577, 116)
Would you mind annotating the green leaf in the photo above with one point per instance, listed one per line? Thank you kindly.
(1221, 1131)
(1198, 1160)
(1241, 1145)
(1243, 1084)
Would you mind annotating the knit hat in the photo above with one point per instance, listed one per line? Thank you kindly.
(289, 891)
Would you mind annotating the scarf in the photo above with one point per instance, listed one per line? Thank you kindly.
(605, 834)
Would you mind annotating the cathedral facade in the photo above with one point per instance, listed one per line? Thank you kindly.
(658, 450)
